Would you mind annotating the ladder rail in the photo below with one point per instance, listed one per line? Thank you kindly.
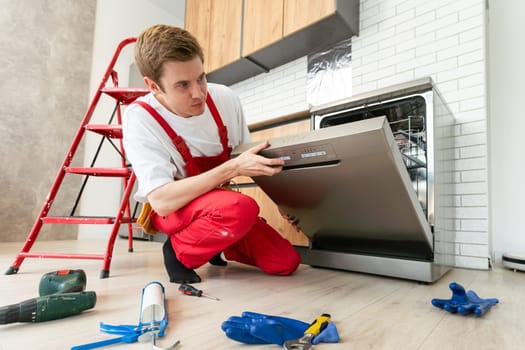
(126, 182)
(124, 207)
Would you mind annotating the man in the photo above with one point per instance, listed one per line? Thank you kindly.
(178, 139)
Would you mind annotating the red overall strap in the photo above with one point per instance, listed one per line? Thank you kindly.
(176, 139)
(223, 132)
(179, 141)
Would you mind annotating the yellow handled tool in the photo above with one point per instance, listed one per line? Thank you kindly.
(305, 342)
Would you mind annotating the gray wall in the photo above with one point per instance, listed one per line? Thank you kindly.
(45, 68)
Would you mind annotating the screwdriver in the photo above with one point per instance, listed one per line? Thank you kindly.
(191, 290)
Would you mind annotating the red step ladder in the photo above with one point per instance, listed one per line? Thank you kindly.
(109, 132)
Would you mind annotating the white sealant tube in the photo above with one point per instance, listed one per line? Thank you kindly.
(153, 308)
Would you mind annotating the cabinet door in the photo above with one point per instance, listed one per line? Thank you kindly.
(197, 22)
(225, 33)
(262, 24)
(299, 13)
(269, 209)
(270, 212)
(217, 25)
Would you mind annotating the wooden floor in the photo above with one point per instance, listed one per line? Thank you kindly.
(370, 312)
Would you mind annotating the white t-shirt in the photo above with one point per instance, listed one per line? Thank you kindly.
(153, 155)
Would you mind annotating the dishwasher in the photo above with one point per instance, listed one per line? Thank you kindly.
(371, 185)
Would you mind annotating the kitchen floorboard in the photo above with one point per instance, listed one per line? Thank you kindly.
(370, 312)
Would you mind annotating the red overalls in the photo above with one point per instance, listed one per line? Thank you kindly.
(221, 220)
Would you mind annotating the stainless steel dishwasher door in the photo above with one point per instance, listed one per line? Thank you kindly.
(349, 190)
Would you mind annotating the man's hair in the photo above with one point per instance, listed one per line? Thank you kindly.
(161, 43)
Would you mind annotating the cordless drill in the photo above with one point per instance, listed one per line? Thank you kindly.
(47, 308)
(61, 295)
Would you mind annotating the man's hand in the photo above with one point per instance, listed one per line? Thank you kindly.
(250, 163)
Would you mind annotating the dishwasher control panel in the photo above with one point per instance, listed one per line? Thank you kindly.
(304, 155)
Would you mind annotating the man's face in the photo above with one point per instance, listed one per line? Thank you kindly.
(182, 87)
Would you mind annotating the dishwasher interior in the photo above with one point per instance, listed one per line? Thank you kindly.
(407, 120)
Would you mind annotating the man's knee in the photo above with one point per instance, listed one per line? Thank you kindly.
(286, 266)
(235, 213)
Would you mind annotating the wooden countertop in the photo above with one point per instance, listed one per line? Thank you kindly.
(279, 120)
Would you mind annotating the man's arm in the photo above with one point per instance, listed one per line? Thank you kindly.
(174, 195)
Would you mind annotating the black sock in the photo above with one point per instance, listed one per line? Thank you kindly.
(218, 261)
(177, 272)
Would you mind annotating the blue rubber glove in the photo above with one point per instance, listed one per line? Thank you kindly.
(464, 302)
(255, 328)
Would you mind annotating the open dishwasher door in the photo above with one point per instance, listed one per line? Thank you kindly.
(350, 192)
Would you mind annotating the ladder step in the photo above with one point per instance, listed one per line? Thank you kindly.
(108, 130)
(107, 172)
(124, 95)
(94, 220)
(61, 256)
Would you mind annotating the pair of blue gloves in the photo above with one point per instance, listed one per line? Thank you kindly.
(255, 328)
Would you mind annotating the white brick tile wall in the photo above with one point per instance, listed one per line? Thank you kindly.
(471, 57)
(473, 176)
(458, 48)
(471, 116)
(473, 151)
(473, 250)
(469, 212)
(471, 237)
(470, 35)
(438, 66)
(442, 27)
(474, 200)
(416, 42)
(470, 140)
(402, 40)
(473, 128)
(453, 7)
(279, 92)
(470, 188)
(443, 48)
(478, 225)
(455, 73)
(470, 262)
(466, 93)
